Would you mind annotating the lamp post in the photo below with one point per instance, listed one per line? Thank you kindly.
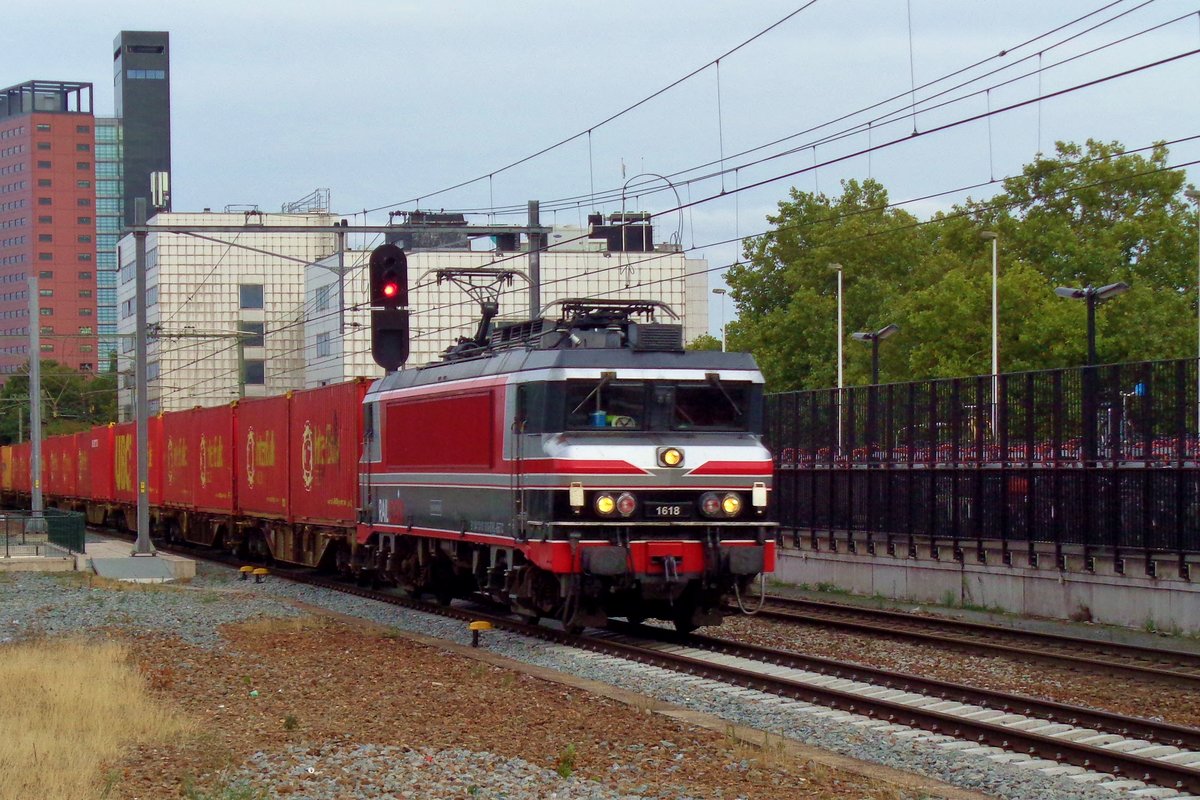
(1093, 297)
(990, 236)
(841, 338)
(1194, 196)
(722, 293)
(875, 337)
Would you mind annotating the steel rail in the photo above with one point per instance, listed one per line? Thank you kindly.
(1173, 665)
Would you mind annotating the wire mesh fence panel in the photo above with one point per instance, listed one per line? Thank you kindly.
(1104, 456)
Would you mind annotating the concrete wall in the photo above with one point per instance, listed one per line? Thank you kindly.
(1167, 602)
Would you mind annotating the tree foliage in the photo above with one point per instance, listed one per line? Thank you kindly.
(1091, 215)
(71, 401)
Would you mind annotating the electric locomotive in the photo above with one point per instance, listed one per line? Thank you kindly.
(583, 467)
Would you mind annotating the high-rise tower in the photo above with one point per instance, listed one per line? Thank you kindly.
(47, 225)
(142, 91)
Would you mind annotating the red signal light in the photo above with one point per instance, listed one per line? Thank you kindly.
(390, 290)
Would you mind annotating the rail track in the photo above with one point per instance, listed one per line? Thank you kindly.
(1045, 734)
(1127, 748)
(1113, 658)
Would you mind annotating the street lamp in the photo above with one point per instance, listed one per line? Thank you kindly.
(1194, 196)
(841, 338)
(990, 236)
(1094, 297)
(722, 293)
(875, 337)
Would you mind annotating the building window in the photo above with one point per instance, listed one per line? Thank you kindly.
(255, 372)
(85, 292)
(44, 182)
(85, 276)
(43, 145)
(47, 348)
(45, 256)
(84, 220)
(256, 330)
(251, 295)
(85, 367)
(324, 345)
(85, 312)
(46, 292)
(48, 330)
(85, 329)
(84, 239)
(324, 297)
(84, 257)
(83, 201)
(85, 348)
(45, 237)
(46, 312)
(43, 165)
(83, 128)
(46, 274)
(44, 220)
(83, 147)
(83, 165)
(44, 201)
(84, 184)
(43, 126)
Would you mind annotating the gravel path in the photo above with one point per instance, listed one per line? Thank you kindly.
(351, 768)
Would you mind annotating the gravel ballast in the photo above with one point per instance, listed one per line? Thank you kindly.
(365, 769)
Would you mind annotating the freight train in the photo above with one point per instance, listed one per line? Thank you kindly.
(581, 468)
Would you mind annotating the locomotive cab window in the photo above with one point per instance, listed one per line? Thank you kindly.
(605, 404)
(711, 406)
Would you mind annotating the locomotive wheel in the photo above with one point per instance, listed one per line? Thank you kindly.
(570, 616)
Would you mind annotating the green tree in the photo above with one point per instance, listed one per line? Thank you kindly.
(786, 292)
(1090, 215)
(71, 401)
(704, 342)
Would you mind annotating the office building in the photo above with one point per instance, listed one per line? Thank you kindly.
(47, 222)
(225, 312)
(337, 344)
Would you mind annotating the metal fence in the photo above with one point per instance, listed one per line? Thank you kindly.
(1104, 456)
(63, 529)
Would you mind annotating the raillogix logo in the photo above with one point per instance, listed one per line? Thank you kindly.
(306, 456)
(203, 461)
(250, 456)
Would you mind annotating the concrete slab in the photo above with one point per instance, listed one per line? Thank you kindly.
(142, 569)
(110, 550)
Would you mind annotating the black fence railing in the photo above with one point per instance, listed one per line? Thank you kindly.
(63, 529)
(1104, 456)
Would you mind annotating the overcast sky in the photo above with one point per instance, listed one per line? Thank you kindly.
(383, 101)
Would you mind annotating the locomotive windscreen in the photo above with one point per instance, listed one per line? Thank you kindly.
(654, 405)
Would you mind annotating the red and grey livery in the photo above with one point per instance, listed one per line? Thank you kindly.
(583, 468)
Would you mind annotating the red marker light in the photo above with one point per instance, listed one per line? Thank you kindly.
(390, 290)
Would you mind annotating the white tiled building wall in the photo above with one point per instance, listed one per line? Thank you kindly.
(441, 313)
(197, 293)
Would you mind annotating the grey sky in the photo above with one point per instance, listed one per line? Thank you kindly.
(384, 101)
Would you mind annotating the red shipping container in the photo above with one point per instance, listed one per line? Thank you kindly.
(125, 461)
(21, 477)
(59, 477)
(96, 457)
(326, 443)
(213, 473)
(260, 448)
(181, 460)
(6, 468)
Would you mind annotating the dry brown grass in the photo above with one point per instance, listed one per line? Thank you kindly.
(68, 707)
(271, 626)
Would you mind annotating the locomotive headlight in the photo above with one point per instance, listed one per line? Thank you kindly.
(605, 504)
(731, 504)
(626, 505)
(670, 457)
(710, 504)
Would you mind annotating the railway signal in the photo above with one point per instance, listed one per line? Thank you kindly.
(389, 306)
